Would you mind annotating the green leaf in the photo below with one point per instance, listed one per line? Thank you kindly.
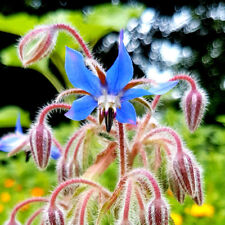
(221, 119)
(9, 115)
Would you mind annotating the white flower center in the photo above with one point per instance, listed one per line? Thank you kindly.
(107, 101)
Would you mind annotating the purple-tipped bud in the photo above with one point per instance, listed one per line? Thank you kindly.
(40, 142)
(183, 168)
(193, 104)
(175, 187)
(37, 44)
(158, 212)
(53, 216)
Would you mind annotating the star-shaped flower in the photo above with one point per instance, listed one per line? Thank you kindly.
(111, 95)
(16, 141)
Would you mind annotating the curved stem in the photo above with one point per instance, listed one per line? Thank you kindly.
(76, 35)
(76, 181)
(21, 204)
(84, 206)
(141, 205)
(34, 215)
(155, 101)
(70, 92)
(149, 176)
(57, 144)
(127, 201)
(171, 132)
(51, 107)
(186, 78)
(73, 138)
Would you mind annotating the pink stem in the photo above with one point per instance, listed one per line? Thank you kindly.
(148, 175)
(33, 216)
(127, 201)
(73, 138)
(84, 206)
(57, 144)
(141, 206)
(76, 181)
(75, 34)
(187, 78)
(122, 150)
(170, 131)
(70, 92)
(48, 108)
(155, 101)
(21, 204)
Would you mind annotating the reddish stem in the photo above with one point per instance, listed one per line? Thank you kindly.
(76, 35)
(171, 132)
(57, 144)
(187, 78)
(127, 201)
(141, 206)
(76, 181)
(155, 101)
(84, 206)
(122, 149)
(33, 216)
(51, 107)
(149, 176)
(21, 204)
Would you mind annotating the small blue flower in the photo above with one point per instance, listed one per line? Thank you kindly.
(18, 140)
(110, 97)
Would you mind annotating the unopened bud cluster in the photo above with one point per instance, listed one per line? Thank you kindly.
(78, 197)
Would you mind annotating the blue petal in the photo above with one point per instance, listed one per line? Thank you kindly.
(81, 108)
(134, 93)
(121, 71)
(126, 114)
(10, 142)
(18, 126)
(163, 87)
(79, 75)
(55, 153)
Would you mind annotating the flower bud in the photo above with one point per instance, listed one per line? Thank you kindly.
(184, 171)
(37, 44)
(65, 170)
(198, 187)
(53, 216)
(193, 104)
(40, 142)
(158, 212)
(175, 187)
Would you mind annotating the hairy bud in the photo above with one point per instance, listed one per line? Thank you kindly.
(193, 105)
(183, 167)
(175, 187)
(188, 175)
(37, 44)
(53, 216)
(158, 212)
(198, 187)
(40, 142)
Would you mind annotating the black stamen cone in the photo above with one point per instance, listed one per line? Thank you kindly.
(109, 116)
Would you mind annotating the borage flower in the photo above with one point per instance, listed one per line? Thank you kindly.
(17, 141)
(109, 93)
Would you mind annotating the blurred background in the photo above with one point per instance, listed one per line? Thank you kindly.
(163, 38)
